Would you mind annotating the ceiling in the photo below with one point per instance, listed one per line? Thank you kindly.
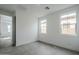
(39, 9)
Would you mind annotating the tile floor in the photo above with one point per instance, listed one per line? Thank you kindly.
(36, 48)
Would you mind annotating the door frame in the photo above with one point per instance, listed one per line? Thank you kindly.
(14, 31)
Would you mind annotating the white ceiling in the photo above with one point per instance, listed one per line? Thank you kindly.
(39, 9)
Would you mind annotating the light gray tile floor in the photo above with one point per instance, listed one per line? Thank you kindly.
(36, 48)
(5, 42)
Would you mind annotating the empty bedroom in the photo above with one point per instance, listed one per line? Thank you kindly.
(39, 29)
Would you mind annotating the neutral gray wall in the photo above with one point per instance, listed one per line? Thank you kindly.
(26, 27)
(54, 35)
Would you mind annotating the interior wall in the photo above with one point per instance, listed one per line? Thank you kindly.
(26, 27)
(54, 35)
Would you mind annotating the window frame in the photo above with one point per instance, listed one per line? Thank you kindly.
(43, 26)
(68, 23)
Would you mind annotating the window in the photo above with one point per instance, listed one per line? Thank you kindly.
(44, 26)
(68, 23)
(9, 28)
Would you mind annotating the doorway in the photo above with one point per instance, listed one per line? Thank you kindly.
(6, 31)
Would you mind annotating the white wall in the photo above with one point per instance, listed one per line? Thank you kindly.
(54, 35)
(26, 27)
